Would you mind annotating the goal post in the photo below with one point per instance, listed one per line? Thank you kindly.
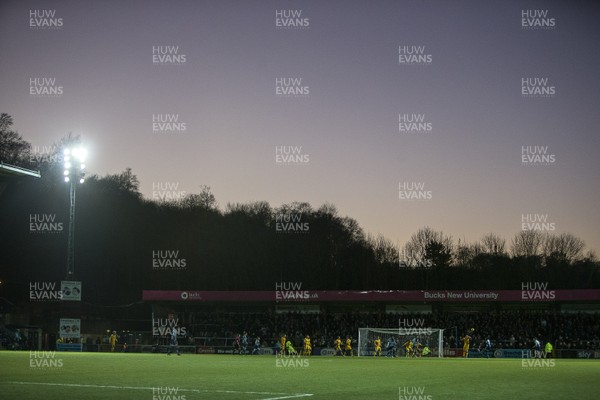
(430, 337)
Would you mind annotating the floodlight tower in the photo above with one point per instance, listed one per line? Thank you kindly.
(74, 173)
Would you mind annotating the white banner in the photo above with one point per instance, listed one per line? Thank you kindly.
(71, 290)
(70, 328)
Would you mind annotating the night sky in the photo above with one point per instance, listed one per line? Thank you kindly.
(220, 84)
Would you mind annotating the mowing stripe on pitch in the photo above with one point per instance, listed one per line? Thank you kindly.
(283, 395)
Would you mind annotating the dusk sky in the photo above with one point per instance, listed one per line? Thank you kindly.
(467, 155)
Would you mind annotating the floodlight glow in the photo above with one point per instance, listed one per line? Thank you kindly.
(73, 169)
(80, 153)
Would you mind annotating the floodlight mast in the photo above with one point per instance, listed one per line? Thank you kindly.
(74, 171)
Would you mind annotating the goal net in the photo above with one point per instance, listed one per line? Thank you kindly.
(432, 338)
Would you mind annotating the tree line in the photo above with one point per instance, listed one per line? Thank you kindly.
(125, 243)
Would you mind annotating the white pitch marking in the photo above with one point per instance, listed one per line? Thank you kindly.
(286, 395)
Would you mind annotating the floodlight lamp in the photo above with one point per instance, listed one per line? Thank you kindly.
(80, 153)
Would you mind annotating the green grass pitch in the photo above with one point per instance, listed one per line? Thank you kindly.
(70, 376)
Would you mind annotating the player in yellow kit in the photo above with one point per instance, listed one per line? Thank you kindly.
(348, 348)
(307, 346)
(466, 343)
(282, 343)
(337, 345)
(408, 348)
(418, 349)
(377, 347)
(113, 340)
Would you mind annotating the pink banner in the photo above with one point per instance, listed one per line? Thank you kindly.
(290, 296)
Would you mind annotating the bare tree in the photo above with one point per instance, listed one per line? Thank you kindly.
(462, 254)
(125, 181)
(415, 250)
(493, 244)
(295, 208)
(465, 253)
(565, 247)
(527, 243)
(259, 209)
(13, 148)
(384, 250)
(204, 200)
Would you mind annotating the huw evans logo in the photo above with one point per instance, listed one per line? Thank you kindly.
(426, 264)
(291, 87)
(413, 123)
(44, 19)
(536, 155)
(413, 55)
(167, 260)
(167, 123)
(168, 55)
(291, 361)
(167, 393)
(290, 291)
(413, 191)
(44, 154)
(291, 19)
(536, 291)
(44, 359)
(532, 359)
(44, 291)
(537, 87)
(291, 155)
(291, 223)
(413, 393)
(537, 19)
(165, 326)
(537, 222)
(44, 223)
(45, 87)
(537, 363)
(167, 191)
(413, 326)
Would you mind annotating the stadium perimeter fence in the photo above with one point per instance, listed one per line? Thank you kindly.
(325, 351)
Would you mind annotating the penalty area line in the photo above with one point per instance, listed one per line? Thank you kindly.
(81, 385)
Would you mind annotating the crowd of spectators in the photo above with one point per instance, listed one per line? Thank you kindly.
(12, 339)
(506, 329)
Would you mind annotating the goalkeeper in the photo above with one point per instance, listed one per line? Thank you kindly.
(426, 350)
(290, 348)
